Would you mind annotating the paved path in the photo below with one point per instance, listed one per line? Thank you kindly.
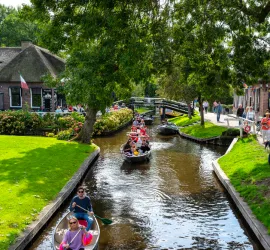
(223, 119)
(212, 117)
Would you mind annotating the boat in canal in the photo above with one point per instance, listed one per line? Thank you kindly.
(141, 157)
(167, 129)
(62, 227)
(148, 120)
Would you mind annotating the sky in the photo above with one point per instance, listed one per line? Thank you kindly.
(14, 3)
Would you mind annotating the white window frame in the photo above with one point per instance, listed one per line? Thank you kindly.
(10, 98)
(32, 98)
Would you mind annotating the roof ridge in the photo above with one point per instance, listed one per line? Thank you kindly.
(48, 52)
(45, 61)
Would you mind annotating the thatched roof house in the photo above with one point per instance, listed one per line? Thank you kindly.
(32, 62)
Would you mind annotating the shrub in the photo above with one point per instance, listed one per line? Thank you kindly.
(50, 121)
(18, 122)
(65, 135)
(50, 134)
(112, 121)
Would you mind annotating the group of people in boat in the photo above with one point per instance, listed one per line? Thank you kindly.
(138, 139)
(82, 210)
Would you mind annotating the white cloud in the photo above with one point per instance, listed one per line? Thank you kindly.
(14, 3)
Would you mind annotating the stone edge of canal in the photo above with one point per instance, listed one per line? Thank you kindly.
(256, 226)
(47, 212)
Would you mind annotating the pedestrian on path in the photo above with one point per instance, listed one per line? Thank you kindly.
(205, 106)
(218, 110)
(264, 128)
(215, 106)
(239, 113)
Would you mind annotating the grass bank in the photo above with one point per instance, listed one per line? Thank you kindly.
(247, 167)
(184, 120)
(209, 130)
(141, 110)
(33, 170)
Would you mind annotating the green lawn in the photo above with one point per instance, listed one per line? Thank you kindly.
(247, 167)
(184, 120)
(32, 172)
(141, 110)
(208, 131)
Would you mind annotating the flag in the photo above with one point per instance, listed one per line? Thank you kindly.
(23, 83)
(245, 86)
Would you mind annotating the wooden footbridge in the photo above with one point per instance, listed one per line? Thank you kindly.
(161, 103)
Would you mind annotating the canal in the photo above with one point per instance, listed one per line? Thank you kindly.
(174, 201)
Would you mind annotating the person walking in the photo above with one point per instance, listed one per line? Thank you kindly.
(205, 106)
(215, 106)
(240, 112)
(82, 200)
(218, 110)
(264, 128)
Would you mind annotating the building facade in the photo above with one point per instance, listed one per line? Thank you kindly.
(256, 96)
(32, 63)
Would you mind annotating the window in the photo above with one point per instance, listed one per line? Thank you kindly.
(15, 97)
(36, 97)
(1, 101)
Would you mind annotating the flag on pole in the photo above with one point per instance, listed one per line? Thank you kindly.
(23, 83)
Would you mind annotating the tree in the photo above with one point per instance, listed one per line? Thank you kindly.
(109, 46)
(16, 27)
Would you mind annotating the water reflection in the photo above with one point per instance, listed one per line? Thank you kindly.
(171, 202)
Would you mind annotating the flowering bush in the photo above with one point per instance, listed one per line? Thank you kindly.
(18, 122)
(112, 121)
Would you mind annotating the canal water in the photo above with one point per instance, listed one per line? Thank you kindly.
(174, 201)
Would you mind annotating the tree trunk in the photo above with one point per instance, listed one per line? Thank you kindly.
(189, 111)
(202, 114)
(201, 110)
(88, 126)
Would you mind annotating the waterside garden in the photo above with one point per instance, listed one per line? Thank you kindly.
(35, 168)
(246, 165)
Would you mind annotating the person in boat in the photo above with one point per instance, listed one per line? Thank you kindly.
(136, 122)
(134, 148)
(134, 128)
(145, 146)
(82, 200)
(143, 131)
(133, 136)
(127, 147)
(138, 141)
(73, 237)
(142, 123)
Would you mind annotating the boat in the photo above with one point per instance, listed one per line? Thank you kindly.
(62, 227)
(148, 120)
(141, 157)
(168, 129)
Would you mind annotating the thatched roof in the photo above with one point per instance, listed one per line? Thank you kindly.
(32, 62)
